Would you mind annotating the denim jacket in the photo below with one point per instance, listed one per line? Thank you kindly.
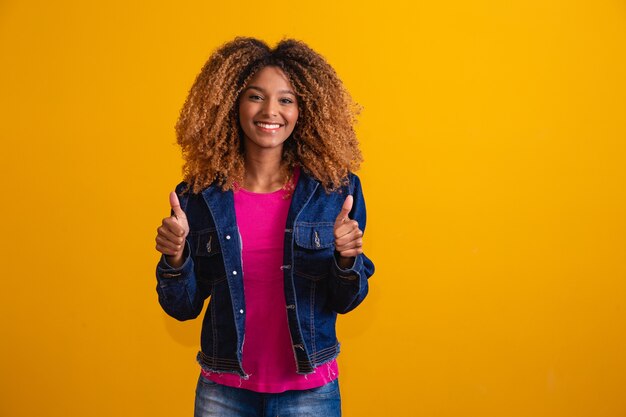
(316, 288)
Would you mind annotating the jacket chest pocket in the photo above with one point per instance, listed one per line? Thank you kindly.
(315, 245)
(207, 254)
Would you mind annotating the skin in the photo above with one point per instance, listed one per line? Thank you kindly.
(267, 98)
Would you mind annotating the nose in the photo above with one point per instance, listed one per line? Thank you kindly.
(270, 108)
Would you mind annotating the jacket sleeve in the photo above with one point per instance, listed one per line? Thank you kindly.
(181, 293)
(348, 287)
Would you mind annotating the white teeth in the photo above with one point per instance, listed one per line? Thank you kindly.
(267, 125)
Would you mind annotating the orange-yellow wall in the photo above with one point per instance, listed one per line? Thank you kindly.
(495, 176)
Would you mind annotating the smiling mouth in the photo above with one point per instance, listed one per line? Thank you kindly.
(268, 125)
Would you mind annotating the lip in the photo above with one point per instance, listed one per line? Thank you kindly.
(258, 123)
(268, 122)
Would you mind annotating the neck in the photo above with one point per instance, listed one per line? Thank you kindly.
(264, 172)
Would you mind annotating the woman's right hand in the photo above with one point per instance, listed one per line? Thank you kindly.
(170, 239)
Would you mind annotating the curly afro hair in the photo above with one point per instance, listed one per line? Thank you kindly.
(323, 142)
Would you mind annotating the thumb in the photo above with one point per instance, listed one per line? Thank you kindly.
(345, 210)
(175, 205)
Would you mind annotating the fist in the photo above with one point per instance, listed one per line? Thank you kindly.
(170, 239)
(348, 236)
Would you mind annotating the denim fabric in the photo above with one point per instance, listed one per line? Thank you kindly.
(316, 288)
(216, 400)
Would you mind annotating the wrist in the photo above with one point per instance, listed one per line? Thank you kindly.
(175, 261)
(344, 262)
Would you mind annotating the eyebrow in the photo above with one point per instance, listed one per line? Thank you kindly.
(263, 91)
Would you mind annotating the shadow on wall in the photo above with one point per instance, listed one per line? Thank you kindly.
(185, 333)
(358, 322)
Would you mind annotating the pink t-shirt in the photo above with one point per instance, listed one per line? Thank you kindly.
(268, 356)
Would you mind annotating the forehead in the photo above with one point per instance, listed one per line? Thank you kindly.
(270, 77)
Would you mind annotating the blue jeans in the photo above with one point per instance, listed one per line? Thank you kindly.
(216, 400)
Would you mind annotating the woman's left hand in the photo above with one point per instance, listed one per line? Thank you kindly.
(348, 236)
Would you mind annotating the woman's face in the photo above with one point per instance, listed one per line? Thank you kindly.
(268, 110)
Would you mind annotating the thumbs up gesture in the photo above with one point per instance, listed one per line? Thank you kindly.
(348, 236)
(170, 239)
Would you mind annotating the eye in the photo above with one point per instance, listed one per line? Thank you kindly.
(286, 100)
(255, 97)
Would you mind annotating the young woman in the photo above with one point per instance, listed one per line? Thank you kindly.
(269, 223)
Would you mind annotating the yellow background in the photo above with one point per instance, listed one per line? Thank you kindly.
(495, 177)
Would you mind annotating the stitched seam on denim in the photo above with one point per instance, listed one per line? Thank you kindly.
(213, 324)
(208, 360)
(324, 354)
(326, 357)
(309, 226)
(322, 358)
(293, 258)
(327, 348)
(312, 317)
(216, 248)
(320, 355)
(221, 369)
(223, 360)
(318, 359)
(312, 277)
(321, 351)
(202, 231)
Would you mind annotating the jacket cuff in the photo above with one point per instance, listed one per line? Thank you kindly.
(348, 274)
(165, 271)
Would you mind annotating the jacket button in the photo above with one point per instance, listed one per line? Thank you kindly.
(241, 311)
(227, 237)
(234, 272)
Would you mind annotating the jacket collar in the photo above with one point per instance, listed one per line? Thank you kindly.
(222, 203)
(302, 194)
